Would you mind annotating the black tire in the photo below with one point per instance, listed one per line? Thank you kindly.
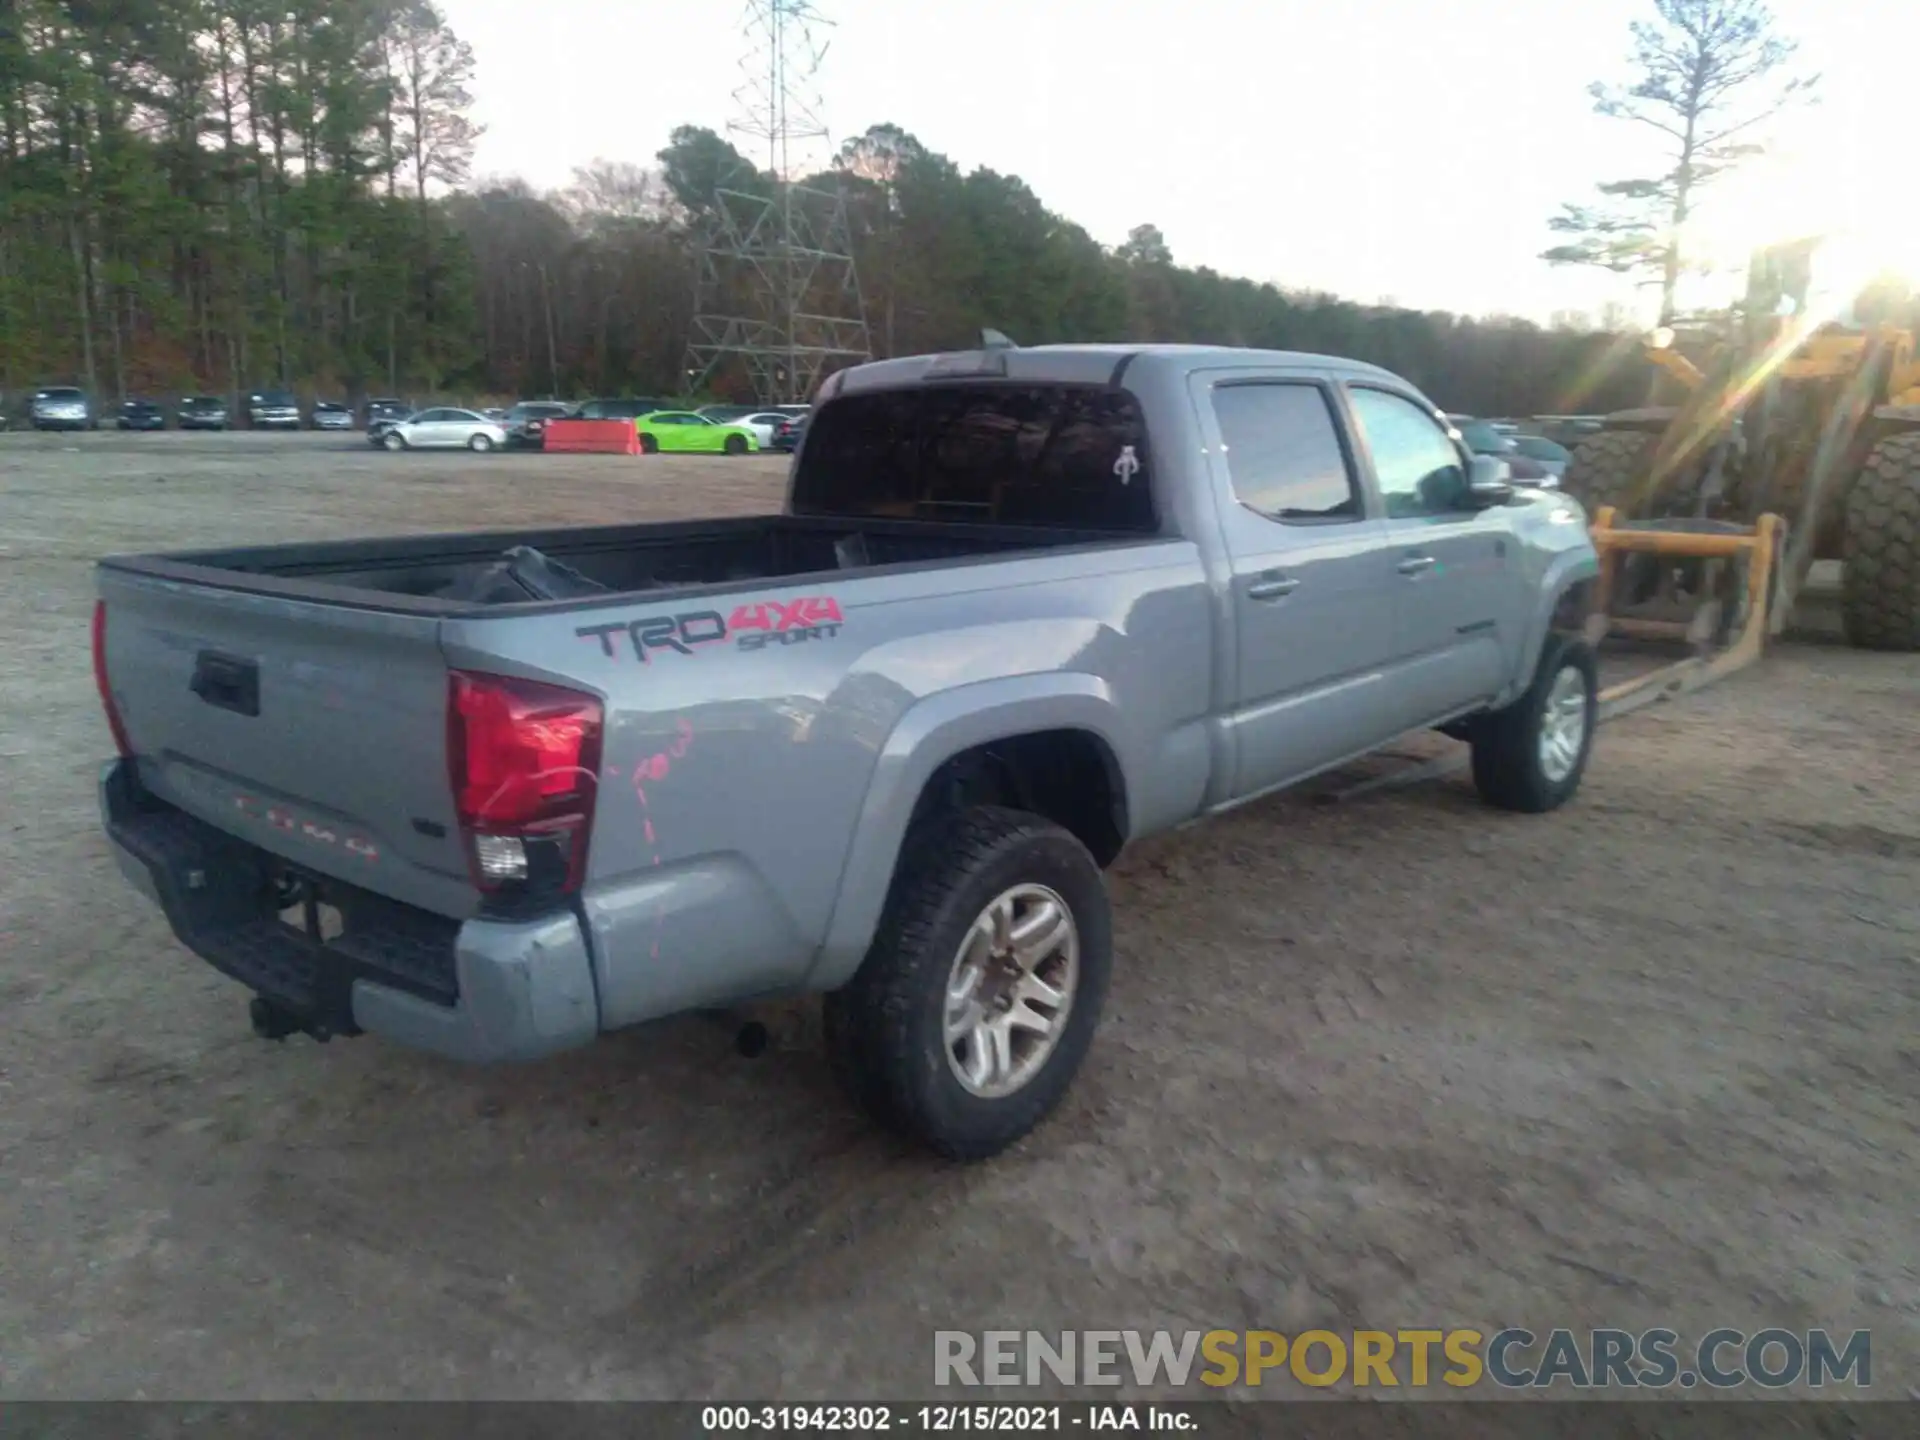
(1509, 770)
(649, 445)
(1607, 467)
(480, 444)
(1880, 575)
(885, 1030)
(393, 441)
(735, 444)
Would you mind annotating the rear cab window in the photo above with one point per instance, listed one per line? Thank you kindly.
(1057, 456)
(1284, 452)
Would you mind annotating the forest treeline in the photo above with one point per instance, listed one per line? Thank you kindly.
(218, 194)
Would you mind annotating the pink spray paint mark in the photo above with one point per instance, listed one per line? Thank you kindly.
(654, 768)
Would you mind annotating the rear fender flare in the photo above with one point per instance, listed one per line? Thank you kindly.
(929, 734)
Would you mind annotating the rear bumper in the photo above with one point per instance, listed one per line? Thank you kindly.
(475, 990)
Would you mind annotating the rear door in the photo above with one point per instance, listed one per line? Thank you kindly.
(461, 426)
(434, 428)
(1450, 564)
(691, 432)
(315, 731)
(1313, 625)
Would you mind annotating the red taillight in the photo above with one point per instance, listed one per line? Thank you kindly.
(100, 678)
(525, 762)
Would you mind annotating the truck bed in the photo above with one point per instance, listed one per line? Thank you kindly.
(446, 575)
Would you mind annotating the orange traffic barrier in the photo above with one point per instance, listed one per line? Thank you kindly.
(592, 437)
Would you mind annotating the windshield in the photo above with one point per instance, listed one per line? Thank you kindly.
(60, 392)
(274, 397)
(201, 402)
(535, 410)
(1483, 439)
(1538, 447)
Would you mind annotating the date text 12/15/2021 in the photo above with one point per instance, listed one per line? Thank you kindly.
(947, 1419)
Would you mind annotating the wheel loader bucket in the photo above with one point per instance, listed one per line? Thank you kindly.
(1704, 585)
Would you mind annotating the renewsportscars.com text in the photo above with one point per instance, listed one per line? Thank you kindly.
(1583, 1360)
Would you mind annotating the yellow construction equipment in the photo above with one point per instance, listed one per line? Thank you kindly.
(1798, 438)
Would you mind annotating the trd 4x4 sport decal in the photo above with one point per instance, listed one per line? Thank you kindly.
(754, 626)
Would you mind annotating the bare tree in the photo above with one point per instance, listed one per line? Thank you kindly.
(1711, 72)
(613, 192)
(431, 73)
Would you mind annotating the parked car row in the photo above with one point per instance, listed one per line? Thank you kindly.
(708, 430)
(1533, 459)
(683, 432)
(69, 407)
(394, 424)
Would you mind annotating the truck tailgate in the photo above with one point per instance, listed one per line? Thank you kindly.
(316, 731)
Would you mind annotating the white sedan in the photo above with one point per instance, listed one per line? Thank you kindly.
(764, 423)
(444, 429)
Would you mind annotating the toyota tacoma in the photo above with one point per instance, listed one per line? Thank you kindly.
(492, 795)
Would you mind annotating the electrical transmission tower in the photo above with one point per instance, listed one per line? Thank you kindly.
(778, 291)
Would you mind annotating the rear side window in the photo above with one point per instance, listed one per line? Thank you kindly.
(1070, 457)
(1284, 453)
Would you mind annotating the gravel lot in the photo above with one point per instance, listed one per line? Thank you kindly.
(1398, 1062)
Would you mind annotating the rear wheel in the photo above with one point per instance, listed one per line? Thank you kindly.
(1607, 468)
(392, 441)
(735, 445)
(1530, 756)
(1880, 577)
(649, 445)
(976, 1004)
(480, 444)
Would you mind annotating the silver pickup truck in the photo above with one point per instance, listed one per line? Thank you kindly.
(491, 795)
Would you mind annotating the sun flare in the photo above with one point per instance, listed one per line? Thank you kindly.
(1868, 226)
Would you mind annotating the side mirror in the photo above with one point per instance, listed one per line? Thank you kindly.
(1489, 482)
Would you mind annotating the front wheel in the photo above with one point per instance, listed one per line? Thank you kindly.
(393, 442)
(976, 1003)
(649, 445)
(1530, 756)
(480, 444)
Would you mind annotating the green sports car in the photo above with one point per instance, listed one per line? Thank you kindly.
(684, 432)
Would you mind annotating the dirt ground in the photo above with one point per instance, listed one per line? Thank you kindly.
(1396, 1062)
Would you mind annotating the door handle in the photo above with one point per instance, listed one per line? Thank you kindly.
(226, 682)
(1272, 587)
(1415, 564)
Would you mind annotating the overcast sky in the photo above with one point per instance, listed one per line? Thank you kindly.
(1381, 149)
